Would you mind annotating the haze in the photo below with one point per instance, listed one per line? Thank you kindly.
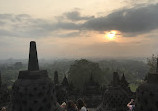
(77, 28)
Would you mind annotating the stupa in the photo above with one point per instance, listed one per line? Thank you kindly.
(92, 93)
(115, 97)
(33, 90)
(147, 93)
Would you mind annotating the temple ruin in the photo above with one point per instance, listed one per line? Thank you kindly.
(147, 93)
(92, 93)
(33, 90)
(62, 90)
(115, 97)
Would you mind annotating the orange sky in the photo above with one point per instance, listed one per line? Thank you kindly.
(73, 29)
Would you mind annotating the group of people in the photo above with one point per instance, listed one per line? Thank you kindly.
(72, 106)
(81, 106)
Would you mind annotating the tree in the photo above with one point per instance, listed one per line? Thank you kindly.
(81, 71)
(152, 63)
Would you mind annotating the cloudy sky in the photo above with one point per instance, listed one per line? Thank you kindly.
(79, 28)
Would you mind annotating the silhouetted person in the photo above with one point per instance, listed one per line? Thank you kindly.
(70, 106)
(81, 105)
(3, 109)
(131, 105)
(63, 106)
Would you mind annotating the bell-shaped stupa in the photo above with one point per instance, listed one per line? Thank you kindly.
(147, 93)
(33, 90)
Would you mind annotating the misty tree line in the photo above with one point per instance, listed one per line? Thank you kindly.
(79, 71)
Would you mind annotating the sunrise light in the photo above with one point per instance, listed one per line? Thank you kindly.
(111, 35)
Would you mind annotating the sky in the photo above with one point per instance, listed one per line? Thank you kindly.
(79, 28)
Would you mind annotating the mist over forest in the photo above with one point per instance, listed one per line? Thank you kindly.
(135, 70)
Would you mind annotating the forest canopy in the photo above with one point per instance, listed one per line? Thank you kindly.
(81, 71)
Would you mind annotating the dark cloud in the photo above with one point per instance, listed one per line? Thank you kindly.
(131, 21)
(133, 2)
(76, 16)
(24, 25)
(66, 25)
(135, 20)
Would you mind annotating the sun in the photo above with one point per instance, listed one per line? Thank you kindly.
(111, 35)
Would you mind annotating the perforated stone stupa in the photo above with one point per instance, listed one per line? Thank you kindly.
(147, 93)
(115, 97)
(33, 90)
(92, 93)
